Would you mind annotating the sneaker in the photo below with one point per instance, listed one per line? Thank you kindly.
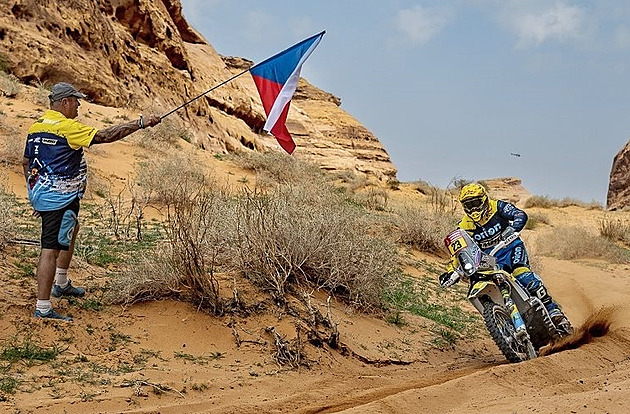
(58, 291)
(51, 314)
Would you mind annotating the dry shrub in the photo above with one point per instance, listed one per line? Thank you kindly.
(615, 229)
(299, 234)
(200, 231)
(423, 187)
(374, 199)
(7, 219)
(10, 85)
(40, 95)
(548, 202)
(423, 228)
(535, 219)
(11, 145)
(279, 167)
(123, 211)
(150, 276)
(576, 243)
(171, 178)
(161, 137)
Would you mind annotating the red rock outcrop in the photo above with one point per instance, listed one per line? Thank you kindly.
(143, 54)
(619, 185)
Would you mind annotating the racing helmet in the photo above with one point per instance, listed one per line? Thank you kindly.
(474, 200)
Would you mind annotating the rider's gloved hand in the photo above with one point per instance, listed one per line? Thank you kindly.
(508, 233)
(448, 279)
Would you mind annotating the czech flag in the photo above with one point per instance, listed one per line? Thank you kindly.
(276, 79)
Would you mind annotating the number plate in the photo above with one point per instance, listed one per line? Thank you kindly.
(455, 242)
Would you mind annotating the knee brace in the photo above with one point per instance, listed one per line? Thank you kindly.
(530, 281)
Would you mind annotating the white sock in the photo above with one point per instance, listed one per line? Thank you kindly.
(44, 306)
(61, 277)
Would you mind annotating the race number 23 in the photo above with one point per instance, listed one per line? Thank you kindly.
(457, 245)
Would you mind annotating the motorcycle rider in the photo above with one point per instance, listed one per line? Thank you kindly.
(489, 222)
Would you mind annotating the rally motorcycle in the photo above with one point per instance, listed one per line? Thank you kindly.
(518, 322)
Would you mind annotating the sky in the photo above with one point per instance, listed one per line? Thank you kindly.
(453, 89)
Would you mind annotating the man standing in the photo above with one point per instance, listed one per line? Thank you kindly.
(56, 176)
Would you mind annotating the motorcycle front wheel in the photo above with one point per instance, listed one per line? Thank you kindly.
(502, 330)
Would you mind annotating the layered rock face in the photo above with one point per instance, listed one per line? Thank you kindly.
(619, 186)
(143, 54)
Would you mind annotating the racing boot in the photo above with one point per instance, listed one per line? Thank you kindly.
(534, 285)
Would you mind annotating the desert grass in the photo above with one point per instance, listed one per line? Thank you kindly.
(572, 243)
(615, 229)
(10, 85)
(424, 228)
(166, 180)
(162, 137)
(8, 222)
(26, 349)
(274, 168)
(548, 202)
(406, 295)
(12, 145)
(535, 219)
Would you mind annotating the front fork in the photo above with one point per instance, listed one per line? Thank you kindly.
(517, 320)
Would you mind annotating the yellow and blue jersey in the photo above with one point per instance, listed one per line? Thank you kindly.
(57, 167)
(501, 215)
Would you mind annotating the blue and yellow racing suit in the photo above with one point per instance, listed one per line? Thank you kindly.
(513, 258)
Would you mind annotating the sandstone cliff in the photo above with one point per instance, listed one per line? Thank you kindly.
(619, 185)
(143, 54)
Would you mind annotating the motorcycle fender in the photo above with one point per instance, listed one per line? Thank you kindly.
(481, 289)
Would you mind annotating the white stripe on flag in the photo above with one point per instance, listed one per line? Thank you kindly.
(287, 91)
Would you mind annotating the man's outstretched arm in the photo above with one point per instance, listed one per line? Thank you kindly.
(116, 132)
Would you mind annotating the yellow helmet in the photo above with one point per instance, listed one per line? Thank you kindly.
(474, 199)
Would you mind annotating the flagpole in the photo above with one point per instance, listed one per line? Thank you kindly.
(209, 90)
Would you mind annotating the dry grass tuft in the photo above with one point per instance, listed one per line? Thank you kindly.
(173, 177)
(149, 277)
(7, 219)
(548, 202)
(10, 85)
(424, 228)
(571, 243)
(615, 229)
(535, 219)
(161, 137)
(12, 145)
(277, 167)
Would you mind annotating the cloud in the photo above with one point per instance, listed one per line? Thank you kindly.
(420, 24)
(560, 22)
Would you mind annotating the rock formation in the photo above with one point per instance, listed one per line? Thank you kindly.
(619, 186)
(143, 54)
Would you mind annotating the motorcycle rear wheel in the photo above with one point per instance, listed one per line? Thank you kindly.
(502, 330)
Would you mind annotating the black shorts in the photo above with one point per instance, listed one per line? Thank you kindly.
(58, 226)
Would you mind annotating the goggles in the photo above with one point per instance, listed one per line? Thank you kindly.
(473, 204)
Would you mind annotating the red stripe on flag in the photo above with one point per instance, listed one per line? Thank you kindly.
(281, 132)
(269, 91)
